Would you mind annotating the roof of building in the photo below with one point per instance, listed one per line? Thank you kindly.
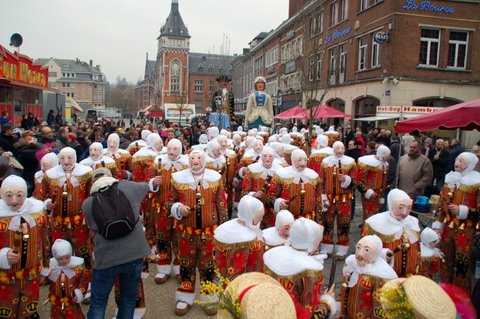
(150, 70)
(70, 65)
(211, 64)
(174, 25)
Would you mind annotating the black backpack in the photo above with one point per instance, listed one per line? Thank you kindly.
(113, 213)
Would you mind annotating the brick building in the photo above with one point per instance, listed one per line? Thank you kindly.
(369, 54)
(76, 79)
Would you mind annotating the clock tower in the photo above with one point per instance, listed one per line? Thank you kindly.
(171, 82)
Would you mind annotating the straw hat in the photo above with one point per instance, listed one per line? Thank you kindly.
(242, 282)
(428, 299)
(267, 300)
(248, 279)
(425, 299)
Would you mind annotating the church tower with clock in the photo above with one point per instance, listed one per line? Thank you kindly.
(172, 75)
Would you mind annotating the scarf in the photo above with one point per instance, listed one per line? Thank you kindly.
(23, 212)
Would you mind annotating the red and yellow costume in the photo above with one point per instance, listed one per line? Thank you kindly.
(162, 234)
(104, 161)
(339, 195)
(316, 158)
(230, 172)
(123, 162)
(258, 178)
(401, 237)
(458, 235)
(359, 288)
(302, 188)
(23, 232)
(430, 262)
(67, 192)
(206, 197)
(237, 250)
(371, 176)
(364, 273)
(65, 285)
(300, 272)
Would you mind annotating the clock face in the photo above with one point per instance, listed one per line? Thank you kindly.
(175, 66)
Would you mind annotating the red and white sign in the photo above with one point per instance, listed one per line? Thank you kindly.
(407, 109)
(20, 69)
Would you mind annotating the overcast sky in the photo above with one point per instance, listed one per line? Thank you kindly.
(116, 34)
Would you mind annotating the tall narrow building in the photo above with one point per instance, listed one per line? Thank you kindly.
(172, 60)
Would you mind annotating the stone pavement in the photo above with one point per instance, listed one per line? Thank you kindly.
(160, 299)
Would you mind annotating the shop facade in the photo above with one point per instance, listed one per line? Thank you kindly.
(21, 86)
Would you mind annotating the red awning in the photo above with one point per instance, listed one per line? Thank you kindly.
(294, 113)
(464, 115)
(324, 112)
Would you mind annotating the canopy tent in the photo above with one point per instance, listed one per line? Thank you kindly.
(323, 112)
(147, 108)
(464, 116)
(295, 113)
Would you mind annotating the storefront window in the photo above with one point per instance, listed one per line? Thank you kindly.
(5, 94)
(366, 106)
(435, 102)
(337, 104)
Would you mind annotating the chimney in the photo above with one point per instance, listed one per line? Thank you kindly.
(91, 62)
(98, 67)
(294, 6)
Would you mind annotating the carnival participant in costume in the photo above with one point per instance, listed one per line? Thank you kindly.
(135, 146)
(48, 161)
(259, 106)
(202, 143)
(264, 133)
(430, 256)
(371, 180)
(363, 274)
(458, 220)
(256, 182)
(68, 284)
(416, 297)
(239, 242)
(96, 159)
(253, 151)
(231, 161)
(198, 203)
(300, 271)
(223, 104)
(143, 159)
(66, 187)
(398, 231)
(212, 133)
(333, 135)
(278, 154)
(321, 151)
(337, 195)
(215, 159)
(122, 158)
(23, 241)
(161, 237)
(296, 188)
(288, 148)
(278, 234)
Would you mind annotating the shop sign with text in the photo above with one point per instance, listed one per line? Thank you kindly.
(20, 68)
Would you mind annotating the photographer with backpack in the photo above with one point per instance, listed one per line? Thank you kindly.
(112, 214)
